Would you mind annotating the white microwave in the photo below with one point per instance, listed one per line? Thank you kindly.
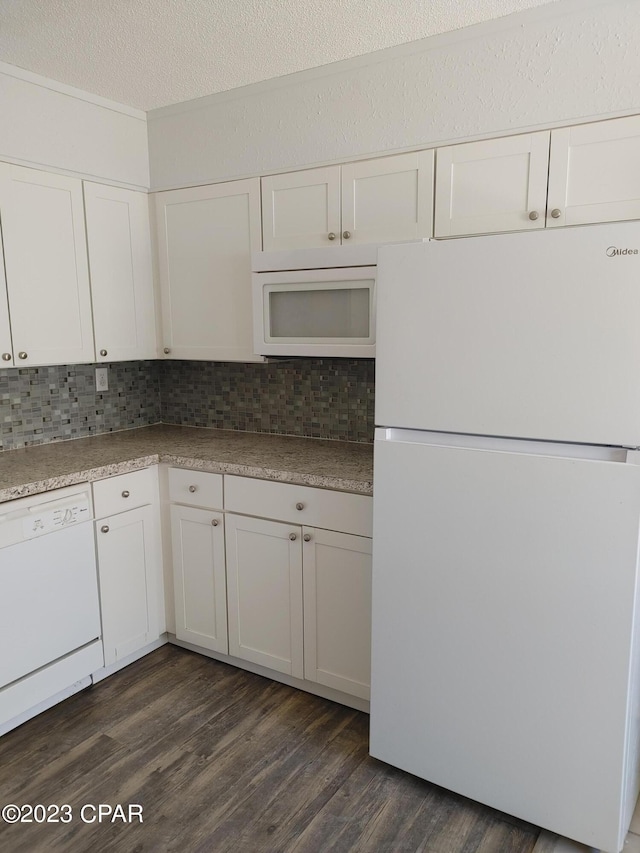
(315, 302)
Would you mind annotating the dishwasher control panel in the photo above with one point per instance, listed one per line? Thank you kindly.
(35, 516)
(43, 520)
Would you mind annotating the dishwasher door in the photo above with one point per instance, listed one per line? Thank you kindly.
(49, 605)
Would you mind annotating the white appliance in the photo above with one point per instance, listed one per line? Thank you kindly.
(506, 644)
(315, 302)
(49, 607)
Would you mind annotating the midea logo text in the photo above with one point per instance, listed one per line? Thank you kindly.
(612, 251)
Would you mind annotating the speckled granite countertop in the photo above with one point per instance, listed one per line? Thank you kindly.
(342, 465)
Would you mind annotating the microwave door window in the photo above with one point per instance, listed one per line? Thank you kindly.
(331, 313)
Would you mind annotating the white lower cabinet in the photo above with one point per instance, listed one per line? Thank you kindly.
(280, 579)
(299, 581)
(264, 572)
(199, 578)
(129, 566)
(337, 610)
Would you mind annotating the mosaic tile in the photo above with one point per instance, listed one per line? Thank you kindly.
(316, 398)
(43, 404)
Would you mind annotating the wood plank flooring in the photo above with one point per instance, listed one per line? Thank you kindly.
(224, 760)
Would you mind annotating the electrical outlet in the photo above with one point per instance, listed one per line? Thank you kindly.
(102, 379)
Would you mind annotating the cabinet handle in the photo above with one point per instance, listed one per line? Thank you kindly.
(166, 350)
(22, 355)
(293, 537)
(307, 537)
(556, 213)
(103, 352)
(299, 506)
(346, 235)
(125, 494)
(214, 522)
(104, 528)
(193, 489)
(6, 356)
(331, 235)
(533, 215)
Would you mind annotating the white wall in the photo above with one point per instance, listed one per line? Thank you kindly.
(44, 123)
(570, 61)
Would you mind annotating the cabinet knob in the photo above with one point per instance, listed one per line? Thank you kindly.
(556, 213)
(22, 355)
(331, 235)
(533, 215)
(125, 494)
(104, 528)
(6, 356)
(293, 537)
(214, 522)
(346, 235)
(166, 350)
(103, 352)
(307, 537)
(299, 506)
(193, 489)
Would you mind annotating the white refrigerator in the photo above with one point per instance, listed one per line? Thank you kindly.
(506, 644)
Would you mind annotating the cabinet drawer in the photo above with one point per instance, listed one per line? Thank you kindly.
(197, 488)
(300, 504)
(123, 492)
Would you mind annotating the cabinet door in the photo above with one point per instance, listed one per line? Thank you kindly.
(197, 538)
(495, 185)
(301, 209)
(389, 199)
(128, 559)
(337, 610)
(205, 239)
(6, 346)
(594, 173)
(264, 589)
(46, 266)
(119, 244)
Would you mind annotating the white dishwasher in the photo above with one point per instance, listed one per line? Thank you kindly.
(49, 606)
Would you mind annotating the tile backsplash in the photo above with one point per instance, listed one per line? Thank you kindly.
(322, 398)
(43, 404)
(317, 397)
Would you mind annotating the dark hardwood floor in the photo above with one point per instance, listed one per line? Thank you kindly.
(223, 760)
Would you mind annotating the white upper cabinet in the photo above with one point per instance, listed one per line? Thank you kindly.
(121, 270)
(205, 239)
(388, 200)
(373, 201)
(6, 347)
(301, 209)
(490, 186)
(594, 173)
(46, 266)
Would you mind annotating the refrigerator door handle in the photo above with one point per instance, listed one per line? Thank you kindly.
(597, 452)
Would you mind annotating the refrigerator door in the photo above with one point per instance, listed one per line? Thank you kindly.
(532, 335)
(504, 592)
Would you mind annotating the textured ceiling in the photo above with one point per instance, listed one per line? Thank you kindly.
(150, 53)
